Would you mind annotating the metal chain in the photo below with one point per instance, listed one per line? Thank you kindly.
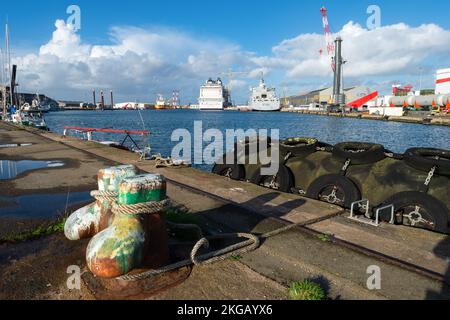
(332, 197)
(346, 165)
(416, 218)
(430, 176)
(287, 157)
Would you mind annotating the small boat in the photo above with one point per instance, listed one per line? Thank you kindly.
(87, 134)
(30, 118)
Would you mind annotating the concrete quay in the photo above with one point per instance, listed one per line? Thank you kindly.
(328, 247)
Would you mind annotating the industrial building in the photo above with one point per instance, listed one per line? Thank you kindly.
(324, 97)
(418, 100)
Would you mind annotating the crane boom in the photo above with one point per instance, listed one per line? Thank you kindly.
(328, 37)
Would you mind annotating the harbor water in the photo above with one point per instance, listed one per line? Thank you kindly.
(397, 137)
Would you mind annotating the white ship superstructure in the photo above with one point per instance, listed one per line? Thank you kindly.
(264, 98)
(213, 95)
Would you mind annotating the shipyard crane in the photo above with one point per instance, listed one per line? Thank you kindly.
(285, 97)
(230, 75)
(328, 37)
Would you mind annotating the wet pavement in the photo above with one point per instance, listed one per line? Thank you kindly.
(42, 206)
(10, 169)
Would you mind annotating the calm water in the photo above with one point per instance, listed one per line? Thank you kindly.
(394, 136)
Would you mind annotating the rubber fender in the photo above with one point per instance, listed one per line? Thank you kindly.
(359, 152)
(285, 179)
(346, 190)
(424, 159)
(431, 209)
(325, 146)
(298, 147)
(233, 171)
(246, 143)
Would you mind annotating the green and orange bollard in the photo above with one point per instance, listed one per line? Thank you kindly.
(92, 219)
(137, 236)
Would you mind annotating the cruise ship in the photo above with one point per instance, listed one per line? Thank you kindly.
(213, 96)
(264, 98)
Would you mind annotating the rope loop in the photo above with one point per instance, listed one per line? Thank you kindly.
(104, 195)
(141, 208)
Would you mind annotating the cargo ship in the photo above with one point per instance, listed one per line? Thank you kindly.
(161, 103)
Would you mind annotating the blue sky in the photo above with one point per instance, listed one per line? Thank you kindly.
(254, 27)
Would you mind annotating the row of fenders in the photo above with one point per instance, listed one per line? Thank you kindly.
(416, 183)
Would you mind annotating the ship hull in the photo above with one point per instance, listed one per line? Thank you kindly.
(265, 107)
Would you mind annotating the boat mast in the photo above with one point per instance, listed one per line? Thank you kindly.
(8, 60)
(3, 71)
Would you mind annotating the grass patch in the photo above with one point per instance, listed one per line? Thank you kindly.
(38, 232)
(236, 258)
(306, 290)
(324, 237)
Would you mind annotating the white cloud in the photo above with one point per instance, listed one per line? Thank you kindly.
(141, 62)
(387, 50)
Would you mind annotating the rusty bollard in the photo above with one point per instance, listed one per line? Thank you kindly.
(90, 220)
(137, 237)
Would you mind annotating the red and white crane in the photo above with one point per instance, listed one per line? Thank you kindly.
(328, 36)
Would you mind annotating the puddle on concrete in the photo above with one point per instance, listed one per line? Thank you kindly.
(42, 206)
(15, 145)
(10, 169)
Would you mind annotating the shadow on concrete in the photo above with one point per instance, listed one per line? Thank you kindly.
(442, 250)
(244, 218)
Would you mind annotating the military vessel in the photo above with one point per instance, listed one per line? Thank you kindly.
(264, 98)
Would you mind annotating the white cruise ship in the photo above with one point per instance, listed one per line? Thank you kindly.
(264, 98)
(213, 96)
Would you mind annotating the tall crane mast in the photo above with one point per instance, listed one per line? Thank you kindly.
(230, 75)
(328, 36)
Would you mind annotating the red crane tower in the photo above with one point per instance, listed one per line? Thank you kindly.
(328, 37)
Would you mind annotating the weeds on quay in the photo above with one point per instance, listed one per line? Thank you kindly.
(306, 290)
(38, 232)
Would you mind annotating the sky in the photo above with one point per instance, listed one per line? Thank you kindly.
(142, 48)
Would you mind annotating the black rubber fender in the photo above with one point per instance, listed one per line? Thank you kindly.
(359, 152)
(424, 159)
(348, 191)
(285, 179)
(325, 146)
(432, 209)
(246, 143)
(233, 171)
(298, 147)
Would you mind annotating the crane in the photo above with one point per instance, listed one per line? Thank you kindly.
(285, 97)
(328, 36)
(230, 75)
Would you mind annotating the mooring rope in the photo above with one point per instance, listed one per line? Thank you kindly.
(141, 208)
(104, 195)
(161, 162)
(251, 244)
